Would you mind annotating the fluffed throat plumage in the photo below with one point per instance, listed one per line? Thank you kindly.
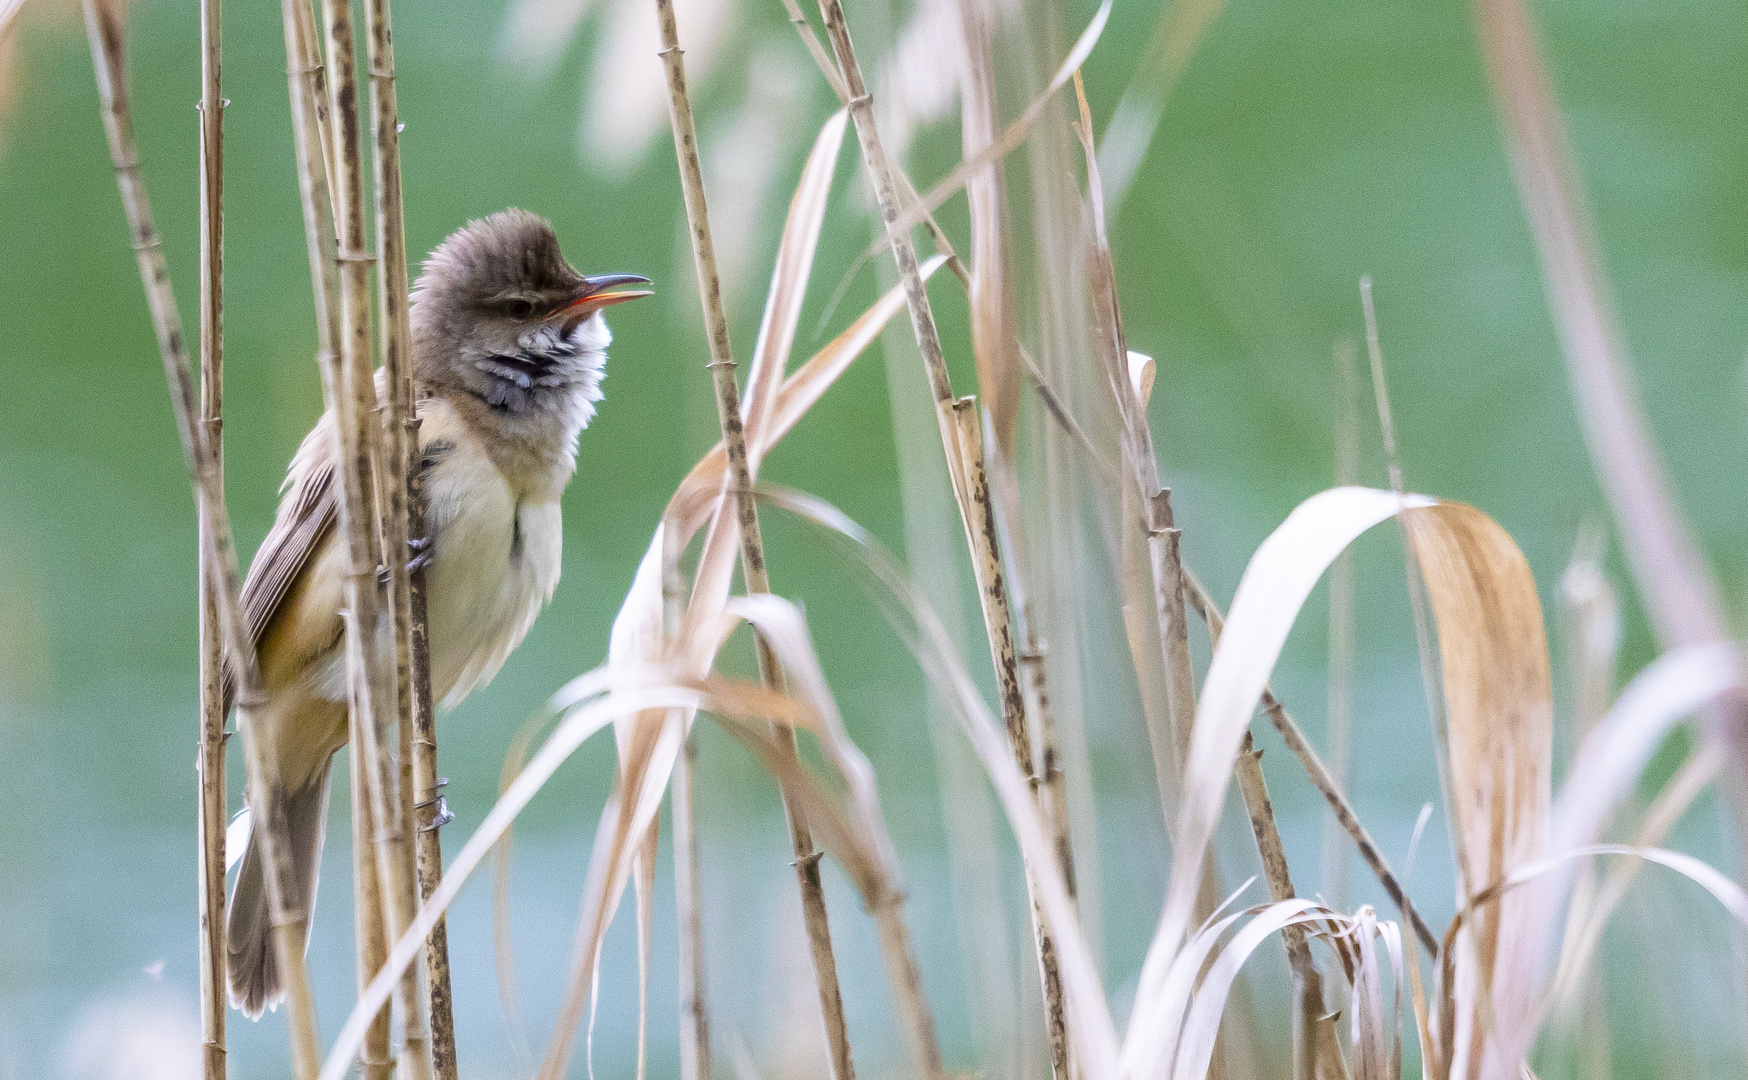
(509, 350)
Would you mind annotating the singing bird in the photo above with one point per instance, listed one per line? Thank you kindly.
(508, 353)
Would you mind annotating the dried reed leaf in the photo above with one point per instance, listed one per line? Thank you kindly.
(1011, 137)
(794, 266)
(1610, 761)
(1498, 698)
(1495, 667)
(1165, 1010)
(994, 335)
(1194, 1051)
(503, 955)
(1605, 773)
(1588, 915)
(1377, 1043)
(631, 693)
(692, 504)
(636, 639)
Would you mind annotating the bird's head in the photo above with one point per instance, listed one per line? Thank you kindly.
(497, 299)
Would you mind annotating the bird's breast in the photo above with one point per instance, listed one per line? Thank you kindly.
(495, 562)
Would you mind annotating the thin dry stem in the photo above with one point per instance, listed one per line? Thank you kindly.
(976, 518)
(689, 899)
(359, 438)
(376, 1061)
(995, 346)
(106, 31)
(1341, 625)
(816, 49)
(1417, 600)
(1316, 1049)
(1168, 733)
(993, 984)
(992, 593)
(404, 517)
(753, 569)
(211, 753)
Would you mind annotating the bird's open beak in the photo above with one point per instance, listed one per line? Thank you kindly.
(595, 294)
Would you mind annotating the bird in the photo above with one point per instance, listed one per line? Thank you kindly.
(508, 353)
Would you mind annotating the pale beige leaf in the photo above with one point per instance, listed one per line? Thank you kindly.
(790, 276)
(1493, 653)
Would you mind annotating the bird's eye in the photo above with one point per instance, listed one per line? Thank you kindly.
(519, 309)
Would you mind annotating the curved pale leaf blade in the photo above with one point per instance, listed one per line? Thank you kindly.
(789, 278)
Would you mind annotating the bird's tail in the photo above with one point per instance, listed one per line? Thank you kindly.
(253, 966)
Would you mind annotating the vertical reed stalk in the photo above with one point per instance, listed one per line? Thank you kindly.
(752, 549)
(689, 900)
(106, 31)
(404, 517)
(359, 435)
(1315, 1050)
(211, 755)
(1146, 511)
(1341, 625)
(992, 593)
(993, 984)
(305, 87)
(976, 517)
(375, 1060)
(1163, 540)
(995, 346)
(1417, 599)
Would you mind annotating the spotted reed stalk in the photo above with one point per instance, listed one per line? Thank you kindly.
(211, 756)
(979, 523)
(359, 435)
(106, 30)
(752, 550)
(404, 517)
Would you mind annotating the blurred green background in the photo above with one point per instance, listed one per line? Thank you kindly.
(1304, 145)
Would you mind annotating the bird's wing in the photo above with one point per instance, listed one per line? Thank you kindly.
(306, 517)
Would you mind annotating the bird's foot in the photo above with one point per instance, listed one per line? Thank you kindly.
(421, 549)
(443, 815)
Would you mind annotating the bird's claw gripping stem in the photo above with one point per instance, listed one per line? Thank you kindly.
(421, 549)
(443, 816)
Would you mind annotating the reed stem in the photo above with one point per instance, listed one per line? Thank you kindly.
(106, 32)
(375, 1060)
(992, 592)
(404, 518)
(951, 417)
(689, 901)
(1341, 626)
(359, 436)
(752, 551)
(211, 755)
